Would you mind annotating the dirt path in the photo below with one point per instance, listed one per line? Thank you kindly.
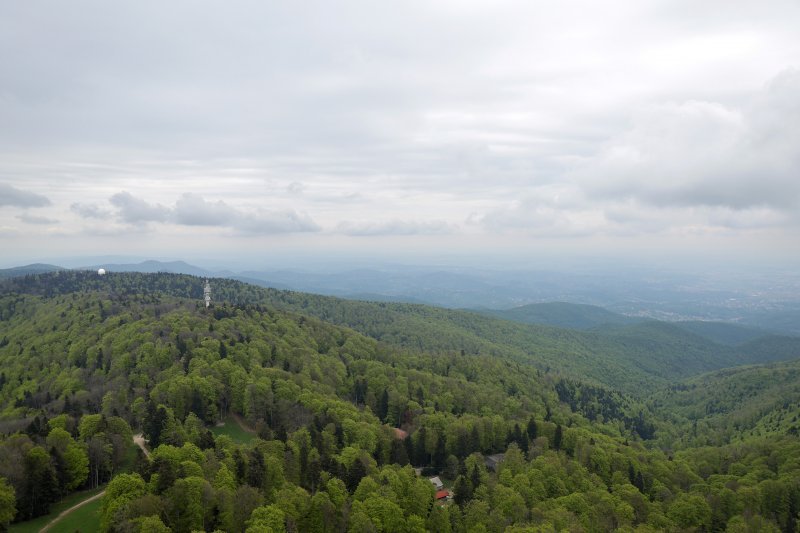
(64, 513)
(243, 424)
(139, 441)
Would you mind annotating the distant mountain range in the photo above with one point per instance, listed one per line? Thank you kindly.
(36, 268)
(565, 300)
(629, 357)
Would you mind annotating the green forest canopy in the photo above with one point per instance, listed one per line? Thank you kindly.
(87, 361)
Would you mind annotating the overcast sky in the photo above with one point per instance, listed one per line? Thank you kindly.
(418, 130)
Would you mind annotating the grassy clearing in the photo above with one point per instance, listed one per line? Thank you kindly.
(129, 463)
(32, 526)
(233, 430)
(85, 519)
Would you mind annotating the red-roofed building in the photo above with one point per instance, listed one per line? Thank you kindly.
(442, 494)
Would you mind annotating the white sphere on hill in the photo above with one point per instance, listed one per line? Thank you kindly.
(101, 271)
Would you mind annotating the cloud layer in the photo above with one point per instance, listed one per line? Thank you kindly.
(322, 126)
(193, 210)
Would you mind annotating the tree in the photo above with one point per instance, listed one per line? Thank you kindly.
(439, 453)
(355, 474)
(188, 503)
(420, 452)
(154, 422)
(151, 524)
(71, 459)
(8, 503)
(463, 491)
(323, 516)
(532, 429)
(558, 437)
(397, 454)
(120, 491)
(690, 510)
(439, 520)
(256, 469)
(383, 405)
(268, 516)
(40, 484)
(245, 500)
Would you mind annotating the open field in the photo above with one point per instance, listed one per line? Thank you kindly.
(233, 430)
(35, 525)
(85, 519)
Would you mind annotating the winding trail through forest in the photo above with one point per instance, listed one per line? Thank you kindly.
(65, 512)
(137, 440)
(242, 424)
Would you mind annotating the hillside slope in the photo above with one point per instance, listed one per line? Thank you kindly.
(82, 367)
(563, 315)
(632, 358)
(732, 404)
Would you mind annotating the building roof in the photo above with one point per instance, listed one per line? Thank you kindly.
(496, 458)
(436, 481)
(440, 494)
(399, 434)
(493, 460)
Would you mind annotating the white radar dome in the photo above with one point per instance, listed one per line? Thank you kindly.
(101, 271)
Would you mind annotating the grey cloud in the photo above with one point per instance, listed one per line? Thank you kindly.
(394, 227)
(137, 211)
(90, 211)
(269, 222)
(14, 197)
(557, 210)
(295, 187)
(32, 219)
(192, 210)
(707, 154)
(419, 107)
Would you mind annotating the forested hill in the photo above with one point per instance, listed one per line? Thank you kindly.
(86, 361)
(585, 317)
(632, 358)
(36, 268)
(563, 314)
(731, 404)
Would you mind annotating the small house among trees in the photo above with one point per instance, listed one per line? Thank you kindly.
(492, 461)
